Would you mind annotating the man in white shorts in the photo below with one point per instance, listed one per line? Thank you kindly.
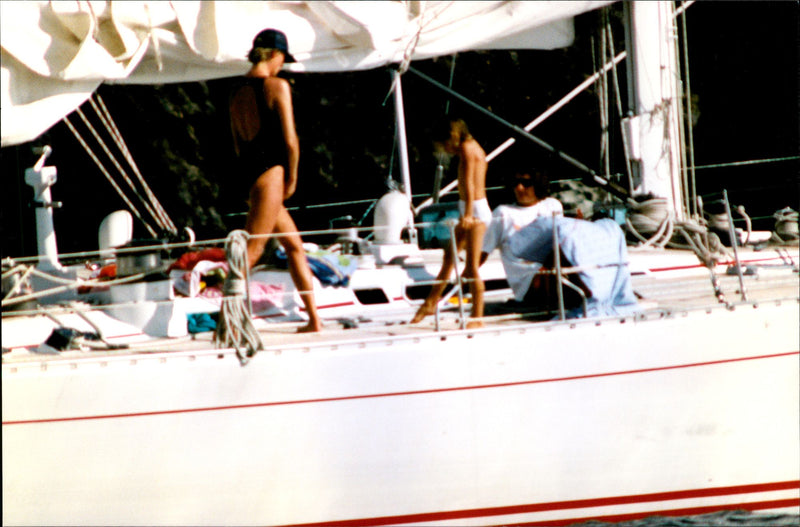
(454, 139)
(531, 190)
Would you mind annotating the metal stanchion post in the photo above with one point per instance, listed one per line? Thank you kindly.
(734, 244)
(557, 258)
(454, 248)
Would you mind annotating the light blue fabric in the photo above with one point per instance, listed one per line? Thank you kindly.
(589, 244)
(329, 268)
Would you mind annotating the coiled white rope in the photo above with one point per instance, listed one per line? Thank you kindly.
(235, 327)
(786, 225)
(651, 218)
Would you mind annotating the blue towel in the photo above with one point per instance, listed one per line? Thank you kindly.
(200, 322)
(329, 268)
(584, 243)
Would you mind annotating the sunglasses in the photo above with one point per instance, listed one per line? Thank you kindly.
(525, 182)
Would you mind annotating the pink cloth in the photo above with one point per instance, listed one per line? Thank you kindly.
(266, 298)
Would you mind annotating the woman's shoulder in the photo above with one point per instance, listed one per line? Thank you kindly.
(276, 83)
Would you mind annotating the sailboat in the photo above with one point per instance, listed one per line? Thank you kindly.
(115, 413)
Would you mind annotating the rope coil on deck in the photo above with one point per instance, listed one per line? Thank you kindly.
(235, 328)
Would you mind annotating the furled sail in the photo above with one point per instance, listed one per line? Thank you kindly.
(55, 54)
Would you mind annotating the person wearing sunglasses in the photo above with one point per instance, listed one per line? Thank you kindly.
(599, 255)
(532, 194)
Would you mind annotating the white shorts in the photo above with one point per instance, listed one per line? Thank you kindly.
(480, 210)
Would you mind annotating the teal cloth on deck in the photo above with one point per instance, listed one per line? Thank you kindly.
(201, 322)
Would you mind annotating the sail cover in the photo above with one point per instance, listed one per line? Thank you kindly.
(55, 54)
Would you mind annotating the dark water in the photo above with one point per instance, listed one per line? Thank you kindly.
(717, 519)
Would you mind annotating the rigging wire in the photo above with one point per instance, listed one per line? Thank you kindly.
(602, 92)
(450, 82)
(149, 201)
(618, 101)
(683, 123)
(689, 114)
(113, 130)
(749, 162)
(539, 120)
(108, 176)
(117, 165)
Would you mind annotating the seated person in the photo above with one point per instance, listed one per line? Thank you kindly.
(531, 191)
(596, 247)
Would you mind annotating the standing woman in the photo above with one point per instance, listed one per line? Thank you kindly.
(268, 151)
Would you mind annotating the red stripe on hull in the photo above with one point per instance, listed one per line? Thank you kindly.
(599, 502)
(689, 511)
(699, 266)
(394, 394)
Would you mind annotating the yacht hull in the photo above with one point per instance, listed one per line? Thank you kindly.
(557, 422)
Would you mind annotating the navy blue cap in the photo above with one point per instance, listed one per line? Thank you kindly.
(274, 39)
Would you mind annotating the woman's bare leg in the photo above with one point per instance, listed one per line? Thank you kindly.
(298, 267)
(474, 239)
(266, 200)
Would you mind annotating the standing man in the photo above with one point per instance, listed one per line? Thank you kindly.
(268, 152)
(454, 139)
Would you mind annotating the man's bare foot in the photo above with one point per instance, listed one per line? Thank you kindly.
(311, 327)
(472, 324)
(423, 311)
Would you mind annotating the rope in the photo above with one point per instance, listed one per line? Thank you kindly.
(651, 218)
(235, 326)
(18, 281)
(69, 286)
(708, 248)
(786, 225)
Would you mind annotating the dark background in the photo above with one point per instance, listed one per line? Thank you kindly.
(743, 72)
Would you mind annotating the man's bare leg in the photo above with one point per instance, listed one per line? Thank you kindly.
(429, 306)
(474, 242)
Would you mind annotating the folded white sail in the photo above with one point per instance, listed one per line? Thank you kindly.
(55, 54)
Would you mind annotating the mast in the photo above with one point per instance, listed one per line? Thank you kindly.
(654, 99)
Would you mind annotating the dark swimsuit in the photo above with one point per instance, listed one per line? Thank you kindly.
(268, 148)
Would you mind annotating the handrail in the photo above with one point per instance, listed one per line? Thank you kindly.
(580, 291)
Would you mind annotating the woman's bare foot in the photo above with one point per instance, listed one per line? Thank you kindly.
(472, 324)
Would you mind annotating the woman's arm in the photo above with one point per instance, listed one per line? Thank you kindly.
(282, 103)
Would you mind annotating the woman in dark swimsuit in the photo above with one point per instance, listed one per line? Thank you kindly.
(266, 143)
